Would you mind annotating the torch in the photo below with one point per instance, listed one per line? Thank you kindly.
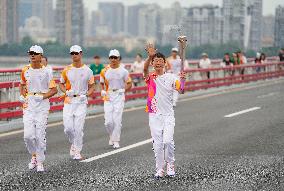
(182, 45)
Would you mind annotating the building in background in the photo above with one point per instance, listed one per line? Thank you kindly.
(267, 39)
(35, 29)
(254, 24)
(70, 21)
(279, 27)
(113, 16)
(149, 22)
(43, 9)
(243, 23)
(204, 25)
(8, 21)
(133, 19)
(171, 23)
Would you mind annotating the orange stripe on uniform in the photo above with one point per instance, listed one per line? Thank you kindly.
(177, 85)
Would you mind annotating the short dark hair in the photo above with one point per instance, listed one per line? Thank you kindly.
(45, 58)
(227, 53)
(159, 55)
(97, 57)
(140, 55)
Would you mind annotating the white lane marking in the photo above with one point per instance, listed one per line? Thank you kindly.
(267, 95)
(242, 112)
(231, 90)
(118, 150)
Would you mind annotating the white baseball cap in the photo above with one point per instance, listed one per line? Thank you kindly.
(114, 52)
(36, 49)
(174, 49)
(75, 48)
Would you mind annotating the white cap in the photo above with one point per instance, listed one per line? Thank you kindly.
(36, 49)
(174, 49)
(76, 48)
(258, 55)
(114, 52)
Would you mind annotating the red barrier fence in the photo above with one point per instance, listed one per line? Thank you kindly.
(270, 70)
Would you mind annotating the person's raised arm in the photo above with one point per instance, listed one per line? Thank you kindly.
(151, 51)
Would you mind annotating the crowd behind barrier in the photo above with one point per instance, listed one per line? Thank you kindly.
(10, 107)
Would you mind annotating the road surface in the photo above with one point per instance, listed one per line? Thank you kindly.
(231, 140)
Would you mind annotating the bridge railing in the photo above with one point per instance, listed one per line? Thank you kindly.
(219, 76)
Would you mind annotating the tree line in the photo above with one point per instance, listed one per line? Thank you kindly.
(55, 49)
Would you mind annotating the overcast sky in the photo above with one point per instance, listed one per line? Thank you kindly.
(268, 5)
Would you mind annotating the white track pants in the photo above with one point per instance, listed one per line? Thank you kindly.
(74, 115)
(34, 132)
(162, 132)
(175, 97)
(113, 115)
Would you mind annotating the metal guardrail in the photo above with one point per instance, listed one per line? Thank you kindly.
(222, 77)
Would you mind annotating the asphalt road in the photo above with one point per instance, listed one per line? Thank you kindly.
(213, 152)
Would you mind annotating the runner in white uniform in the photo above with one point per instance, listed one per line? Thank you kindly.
(161, 86)
(115, 80)
(175, 67)
(77, 82)
(37, 85)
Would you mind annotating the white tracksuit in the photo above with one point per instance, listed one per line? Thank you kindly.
(161, 116)
(35, 113)
(114, 80)
(75, 108)
(176, 68)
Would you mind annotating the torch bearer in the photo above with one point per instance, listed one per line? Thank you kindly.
(182, 45)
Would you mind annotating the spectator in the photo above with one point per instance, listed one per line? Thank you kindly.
(226, 62)
(137, 67)
(263, 60)
(258, 61)
(205, 63)
(235, 62)
(44, 62)
(242, 60)
(96, 68)
(281, 58)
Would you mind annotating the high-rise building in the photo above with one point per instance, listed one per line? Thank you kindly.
(8, 21)
(234, 21)
(254, 17)
(96, 23)
(204, 25)
(43, 9)
(279, 27)
(25, 11)
(133, 19)
(267, 33)
(70, 21)
(149, 22)
(113, 16)
(242, 22)
(171, 23)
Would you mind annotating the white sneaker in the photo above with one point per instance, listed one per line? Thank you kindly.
(116, 145)
(171, 170)
(159, 174)
(77, 156)
(39, 167)
(72, 150)
(110, 143)
(33, 163)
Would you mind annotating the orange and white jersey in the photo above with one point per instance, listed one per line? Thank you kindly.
(114, 79)
(37, 81)
(78, 80)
